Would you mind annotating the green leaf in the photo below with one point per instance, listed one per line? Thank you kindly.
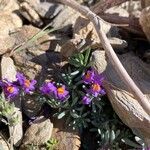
(117, 133)
(74, 115)
(107, 136)
(139, 140)
(74, 73)
(74, 101)
(112, 136)
(86, 58)
(61, 115)
(130, 143)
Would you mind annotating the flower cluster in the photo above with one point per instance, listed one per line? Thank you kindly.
(11, 89)
(59, 93)
(94, 80)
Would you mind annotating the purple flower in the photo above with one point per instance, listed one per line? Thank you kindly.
(86, 100)
(96, 89)
(88, 77)
(28, 85)
(98, 78)
(61, 93)
(48, 88)
(10, 89)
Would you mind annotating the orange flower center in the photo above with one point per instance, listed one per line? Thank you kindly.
(27, 83)
(87, 76)
(60, 90)
(96, 87)
(10, 89)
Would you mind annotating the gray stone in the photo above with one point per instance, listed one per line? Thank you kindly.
(38, 133)
(66, 17)
(68, 139)
(8, 23)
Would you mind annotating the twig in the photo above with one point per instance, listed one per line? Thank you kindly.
(110, 53)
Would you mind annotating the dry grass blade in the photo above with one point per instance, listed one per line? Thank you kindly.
(34, 38)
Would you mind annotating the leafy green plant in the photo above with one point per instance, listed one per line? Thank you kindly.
(51, 144)
(7, 113)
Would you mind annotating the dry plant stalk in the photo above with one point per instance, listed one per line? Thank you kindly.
(96, 20)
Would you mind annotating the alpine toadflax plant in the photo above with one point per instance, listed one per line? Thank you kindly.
(22, 84)
(59, 93)
(94, 81)
(48, 88)
(27, 85)
(10, 89)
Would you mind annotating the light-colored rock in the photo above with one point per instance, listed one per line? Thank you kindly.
(66, 17)
(6, 44)
(8, 6)
(123, 102)
(8, 71)
(3, 144)
(84, 29)
(45, 9)
(38, 133)
(118, 11)
(8, 23)
(132, 7)
(30, 14)
(67, 138)
(145, 21)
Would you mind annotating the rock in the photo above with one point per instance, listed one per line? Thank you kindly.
(6, 44)
(3, 144)
(67, 138)
(65, 18)
(8, 6)
(85, 29)
(38, 133)
(118, 11)
(125, 105)
(45, 9)
(8, 23)
(8, 71)
(30, 14)
(145, 21)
